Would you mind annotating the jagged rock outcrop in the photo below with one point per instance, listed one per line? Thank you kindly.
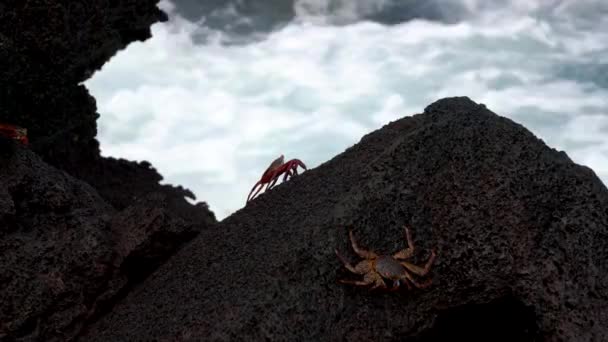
(521, 234)
(47, 48)
(66, 255)
(73, 238)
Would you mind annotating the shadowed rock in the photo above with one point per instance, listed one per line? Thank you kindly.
(46, 49)
(66, 255)
(521, 234)
(77, 230)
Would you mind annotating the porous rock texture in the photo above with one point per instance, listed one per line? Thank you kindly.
(67, 255)
(77, 231)
(521, 234)
(47, 48)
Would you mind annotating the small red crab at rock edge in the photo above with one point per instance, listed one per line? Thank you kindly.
(14, 132)
(274, 171)
(375, 268)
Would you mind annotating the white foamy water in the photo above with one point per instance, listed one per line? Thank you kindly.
(212, 117)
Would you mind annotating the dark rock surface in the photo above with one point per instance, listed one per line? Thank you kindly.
(521, 233)
(77, 231)
(65, 254)
(110, 175)
(46, 49)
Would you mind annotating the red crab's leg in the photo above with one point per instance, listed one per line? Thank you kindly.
(277, 174)
(249, 198)
(294, 163)
(291, 169)
(271, 185)
(275, 179)
(268, 186)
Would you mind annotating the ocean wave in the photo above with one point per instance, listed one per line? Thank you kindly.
(211, 115)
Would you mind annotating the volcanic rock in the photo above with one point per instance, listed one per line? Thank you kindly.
(67, 255)
(520, 230)
(47, 48)
(77, 231)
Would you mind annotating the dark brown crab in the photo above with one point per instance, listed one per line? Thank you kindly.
(376, 267)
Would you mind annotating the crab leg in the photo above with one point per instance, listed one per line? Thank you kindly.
(256, 184)
(420, 270)
(360, 251)
(346, 263)
(297, 163)
(356, 282)
(275, 179)
(379, 283)
(407, 277)
(409, 251)
(288, 174)
(368, 279)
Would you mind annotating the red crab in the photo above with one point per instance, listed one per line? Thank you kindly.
(14, 132)
(274, 171)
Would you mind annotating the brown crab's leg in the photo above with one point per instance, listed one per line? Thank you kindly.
(356, 282)
(346, 263)
(379, 284)
(420, 270)
(407, 277)
(368, 279)
(361, 252)
(407, 283)
(409, 251)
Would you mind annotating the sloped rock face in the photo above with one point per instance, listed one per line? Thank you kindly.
(77, 231)
(521, 234)
(67, 255)
(110, 177)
